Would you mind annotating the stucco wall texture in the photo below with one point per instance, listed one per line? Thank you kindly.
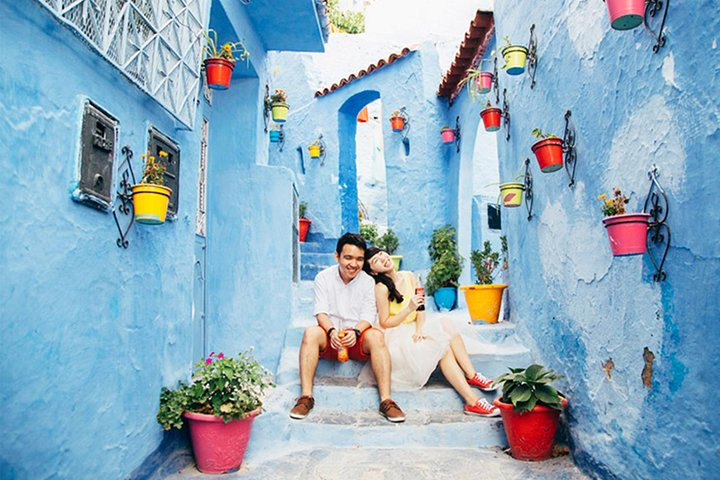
(572, 300)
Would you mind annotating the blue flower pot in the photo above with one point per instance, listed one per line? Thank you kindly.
(445, 298)
(274, 136)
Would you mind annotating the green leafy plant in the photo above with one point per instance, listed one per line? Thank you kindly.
(536, 132)
(445, 127)
(506, 42)
(388, 241)
(470, 80)
(485, 262)
(154, 171)
(526, 387)
(446, 261)
(226, 387)
(302, 209)
(615, 205)
(504, 251)
(346, 21)
(227, 51)
(369, 231)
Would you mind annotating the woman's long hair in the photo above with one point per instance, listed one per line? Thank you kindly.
(393, 293)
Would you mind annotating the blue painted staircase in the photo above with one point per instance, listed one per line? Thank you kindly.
(316, 253)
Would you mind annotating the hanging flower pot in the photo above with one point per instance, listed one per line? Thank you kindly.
(448, 135)
(511, 193)
(491, 119)
(218, 72)
(274, 136)
(625, 14)
(150, 203)
(363, 116)
(549, 154)
(278, 105)
(627, 233)
(304, 227)
(314, 151)
(397, 123)
(484, 82)
(515, 57)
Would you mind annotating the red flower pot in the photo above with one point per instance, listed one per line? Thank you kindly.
(484, 82)
(491, 119)
(219, 447)
(625, 14)
(448, 135)
(530, 434)
(397, 124)
(549, 154)
(218, 72)
(304, 227)
(627, 233)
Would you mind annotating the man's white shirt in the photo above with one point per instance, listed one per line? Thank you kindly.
(345, 304)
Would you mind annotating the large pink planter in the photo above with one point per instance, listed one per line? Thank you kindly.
(627, 233)
(625, 14)
(484, 82)
(219, 447)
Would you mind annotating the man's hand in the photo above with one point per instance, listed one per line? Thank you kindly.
(350, 338)
(335, 339)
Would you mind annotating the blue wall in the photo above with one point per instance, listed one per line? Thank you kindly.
(572, 300)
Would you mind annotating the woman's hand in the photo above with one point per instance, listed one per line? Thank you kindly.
(418, 336)
(416, 301)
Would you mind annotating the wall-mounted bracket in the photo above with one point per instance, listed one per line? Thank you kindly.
(267, 107)
(506, 115)
(322, 145)
(652, 7)
(124, 194)
(569, 148)
(658, 230)
(532, 56)
(457, 134)
(496, 84)
(406, 129)
(528, 188)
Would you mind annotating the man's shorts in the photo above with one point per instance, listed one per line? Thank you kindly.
(355, 352)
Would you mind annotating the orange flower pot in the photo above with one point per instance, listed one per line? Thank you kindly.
(549, 154)
(397, 124)
(218, 72)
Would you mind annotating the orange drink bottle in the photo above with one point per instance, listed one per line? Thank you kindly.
(342, 351)
(420, 291)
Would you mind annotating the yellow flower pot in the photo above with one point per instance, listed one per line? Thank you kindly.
(279, 112)
(314, 151)
(511, 194)
(483, 301)
(396, 260)
(150, 203)
(515, 57)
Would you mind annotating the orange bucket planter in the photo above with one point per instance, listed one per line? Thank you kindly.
(549, 154)
(397, 124)
(150, 203)
(218, 72)
(627, 233)
(483, 301)
(491, 119)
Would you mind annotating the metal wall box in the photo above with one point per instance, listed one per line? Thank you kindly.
(98, 138)
(157, 141)
(493, 213)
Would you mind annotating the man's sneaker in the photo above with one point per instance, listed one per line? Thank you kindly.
(483, 408)
(483, 383)
(391, 411)
(302, 407)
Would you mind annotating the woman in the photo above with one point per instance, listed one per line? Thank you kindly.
(417, 348)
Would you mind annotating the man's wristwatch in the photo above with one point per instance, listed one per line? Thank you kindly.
(357, 333)
(329, 332)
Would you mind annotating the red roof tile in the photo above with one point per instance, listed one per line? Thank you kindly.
(471, 50)
(370, 68)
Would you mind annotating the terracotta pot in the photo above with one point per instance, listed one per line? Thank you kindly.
(218, 72)
(549, 154)
(625, 14)
(627, 233)
(304, 227)
(530, 434)
(491, 119)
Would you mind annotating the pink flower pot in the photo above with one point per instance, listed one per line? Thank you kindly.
(625, 14)
(627, 233)
(484, 82)
(448, 135)
(219, 447)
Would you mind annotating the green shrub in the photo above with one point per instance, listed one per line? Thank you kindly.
(447, 263)
(388, 242)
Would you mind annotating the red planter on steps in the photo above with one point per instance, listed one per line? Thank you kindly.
(530, 434)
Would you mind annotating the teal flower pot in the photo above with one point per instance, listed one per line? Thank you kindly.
(445, 298)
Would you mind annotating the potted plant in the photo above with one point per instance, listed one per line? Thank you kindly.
(369, 231)
(491, 117)
(530, 409)
(389, 242)
(548, 150)
(278, 106)
(515, 57)
(314, 149)
(220, 60)
(484, 298)
(447, 264)
(151, 197)
(625, 14)
(477, 81)
(220, 403)
(397, 121)
(304, 222)
(448, 134)
(511, 193)
(627, 232)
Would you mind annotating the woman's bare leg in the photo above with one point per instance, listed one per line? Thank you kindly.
(457, 347)
(454, 374)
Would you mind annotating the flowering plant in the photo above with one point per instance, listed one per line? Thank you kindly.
(226, 51)
(613, 206)
(536, 132)
(154, 172)
(226, 387)
(279, 96)
(486, 261)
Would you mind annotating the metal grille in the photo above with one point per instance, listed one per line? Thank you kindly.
(202, 181)
(157, 43)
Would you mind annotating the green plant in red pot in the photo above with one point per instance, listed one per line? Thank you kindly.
(627, 232)
(220, 60)
(303, 221)
(220, 403)
(491, 117)
(530, 409)
(548, 151)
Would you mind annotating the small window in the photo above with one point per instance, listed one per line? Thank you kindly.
(97, 152)
(493, 213)
(156, 143)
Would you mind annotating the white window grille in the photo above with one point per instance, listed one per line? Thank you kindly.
(156, 43)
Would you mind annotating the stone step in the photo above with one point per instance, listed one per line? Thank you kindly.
(310, 271)
(318, 240)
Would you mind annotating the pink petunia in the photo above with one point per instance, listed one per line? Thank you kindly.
(221, 355)
(208, 361)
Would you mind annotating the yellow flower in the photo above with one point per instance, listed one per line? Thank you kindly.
(602, 197)
(609, 201)
(163, 153)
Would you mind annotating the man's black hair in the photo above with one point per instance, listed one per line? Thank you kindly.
(350, 239)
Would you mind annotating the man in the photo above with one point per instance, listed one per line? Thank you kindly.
(345, 300)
